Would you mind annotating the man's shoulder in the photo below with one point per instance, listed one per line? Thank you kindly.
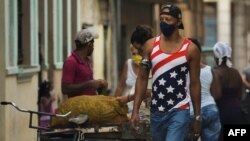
(70, 61)
(150, 43)
(192, 53)
(71, 58)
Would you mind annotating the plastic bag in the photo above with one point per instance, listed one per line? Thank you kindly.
(100, 110)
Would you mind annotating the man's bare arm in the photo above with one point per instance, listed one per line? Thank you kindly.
(142, 78)
(195, 86)
(122, 83)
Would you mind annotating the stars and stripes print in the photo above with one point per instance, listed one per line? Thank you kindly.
(170, 79)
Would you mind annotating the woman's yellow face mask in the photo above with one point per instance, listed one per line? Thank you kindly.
(136, 59)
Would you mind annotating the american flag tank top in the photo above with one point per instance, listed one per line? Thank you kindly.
(170, 78)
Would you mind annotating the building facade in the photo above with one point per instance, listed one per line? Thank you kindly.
(225, 20)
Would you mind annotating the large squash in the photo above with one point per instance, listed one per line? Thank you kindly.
(100, 110)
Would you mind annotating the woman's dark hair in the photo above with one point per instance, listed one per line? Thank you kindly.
(141, 34)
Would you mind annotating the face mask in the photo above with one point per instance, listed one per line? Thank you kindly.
(167, 29)
(136, 59)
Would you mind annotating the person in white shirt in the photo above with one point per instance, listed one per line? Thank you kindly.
(126, 87)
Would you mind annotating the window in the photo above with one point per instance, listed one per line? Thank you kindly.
(27, 33)
(21, 26)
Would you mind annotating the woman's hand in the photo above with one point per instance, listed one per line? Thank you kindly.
(123, 99)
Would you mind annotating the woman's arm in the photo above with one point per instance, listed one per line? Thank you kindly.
(216, 85)
(122, 83)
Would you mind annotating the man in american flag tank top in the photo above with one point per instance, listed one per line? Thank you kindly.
(175, 65)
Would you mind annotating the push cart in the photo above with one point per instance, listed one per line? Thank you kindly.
(101, 132)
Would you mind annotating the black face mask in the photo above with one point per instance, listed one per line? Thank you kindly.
(167, 29)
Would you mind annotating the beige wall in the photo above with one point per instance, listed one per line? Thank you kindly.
(239, 43)
(57, 75)
(241, 34)
(98, 55)
(25, 96)
(89, 12)
(14, 124)
(2, 74)
(188, 24)
(224, 20)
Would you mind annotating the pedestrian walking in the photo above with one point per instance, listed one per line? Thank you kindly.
(229, 94)
(173, 61)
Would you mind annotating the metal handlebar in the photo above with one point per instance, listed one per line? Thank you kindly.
(29, 111)
(34, 112)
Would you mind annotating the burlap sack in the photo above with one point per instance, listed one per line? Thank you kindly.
(100, 110)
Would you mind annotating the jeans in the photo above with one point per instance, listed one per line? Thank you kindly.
(211, 125)
(169, 126)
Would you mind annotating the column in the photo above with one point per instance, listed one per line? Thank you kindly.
(224, 20)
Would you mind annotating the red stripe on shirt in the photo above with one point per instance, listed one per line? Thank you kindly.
(156, 42)
(184, 106)
(168, 59)
(155, 54)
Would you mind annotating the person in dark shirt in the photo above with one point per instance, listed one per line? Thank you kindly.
(229, 93)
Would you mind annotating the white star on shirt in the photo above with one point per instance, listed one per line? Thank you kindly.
(173, 74)
(161, 96)
(155, 88)
(154, 102)
(162, 82)
(170, 102)
(183, 68)
(179, 95)
(170, 89)
(161, 108)
(180, 81)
